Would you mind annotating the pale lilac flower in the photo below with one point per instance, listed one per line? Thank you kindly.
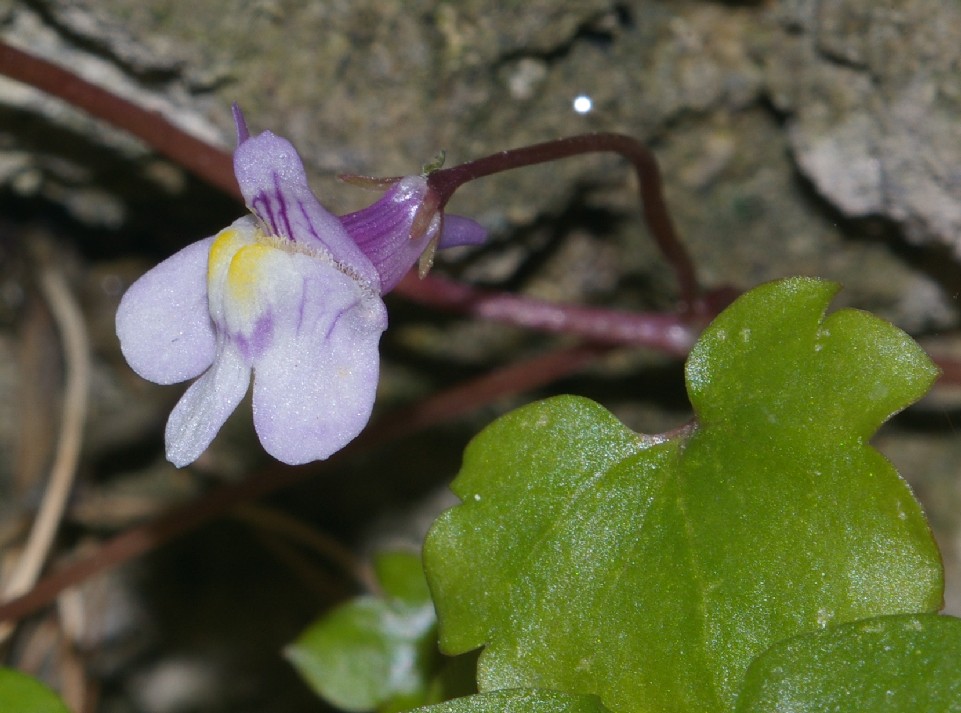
(290, 295)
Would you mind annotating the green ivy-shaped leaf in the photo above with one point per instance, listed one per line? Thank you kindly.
(20, 692)
(519, 701)
(651, 571)
(893, 664)
(380, 653)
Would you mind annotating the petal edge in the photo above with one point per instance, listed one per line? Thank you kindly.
(272, 178)
(314, 389)
(205, 406)
(163, 321)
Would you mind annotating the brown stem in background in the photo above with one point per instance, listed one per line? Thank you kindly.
(215, 166)
(210, 163)
(73, 334)
(443, 407)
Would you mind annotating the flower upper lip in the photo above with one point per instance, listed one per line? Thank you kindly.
(274, 185)
(290, 297)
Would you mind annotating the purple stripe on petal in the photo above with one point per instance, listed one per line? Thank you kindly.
(253, 345)
(301, 307)
(265, 211)
(314, 387)
(286, 231)
(274, 184)
(382, 230)
(336, 318)
(308, 224)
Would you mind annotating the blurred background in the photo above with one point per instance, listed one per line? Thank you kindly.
(795, 137)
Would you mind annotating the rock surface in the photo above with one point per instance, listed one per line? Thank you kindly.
(872, 95)
(795, 136)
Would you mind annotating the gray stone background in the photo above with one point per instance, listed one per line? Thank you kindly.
(796, 137)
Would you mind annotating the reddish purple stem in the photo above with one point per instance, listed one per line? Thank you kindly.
(446, 181)
(665, 332)
(215, 166)
(210, 163)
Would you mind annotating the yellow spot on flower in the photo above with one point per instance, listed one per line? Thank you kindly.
(228, 242)
(245, 271)
(238, 268)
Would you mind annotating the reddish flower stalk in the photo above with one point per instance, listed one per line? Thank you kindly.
(670, 333)
(444, 182)
(214, 165)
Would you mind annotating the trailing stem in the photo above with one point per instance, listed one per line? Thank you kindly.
(214, 165)
(444, 182)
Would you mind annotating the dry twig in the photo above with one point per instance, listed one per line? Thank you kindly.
(297, 531)
(73, 333)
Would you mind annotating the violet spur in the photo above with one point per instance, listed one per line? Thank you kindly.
(290, 296)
